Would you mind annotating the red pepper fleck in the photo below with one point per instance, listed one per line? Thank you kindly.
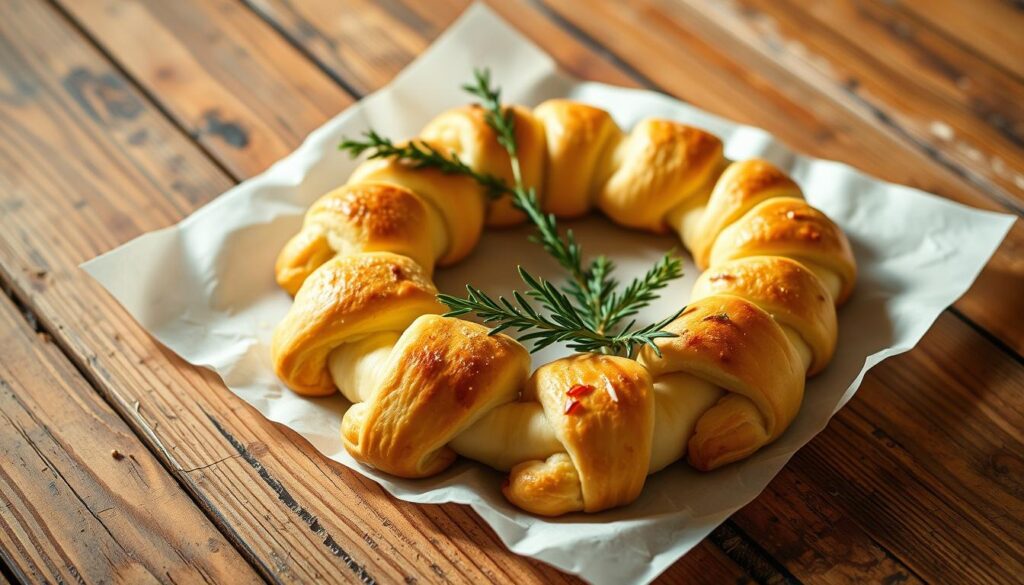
(572, 405)
(722, 276)
(396, 271)
(579, 390)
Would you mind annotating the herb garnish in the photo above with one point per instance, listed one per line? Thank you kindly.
(586, 312)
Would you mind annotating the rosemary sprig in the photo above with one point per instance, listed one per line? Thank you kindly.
(564, 322)
(639, 293)
(565, 251)
(593, 288)
(589, 309)
(421, 155)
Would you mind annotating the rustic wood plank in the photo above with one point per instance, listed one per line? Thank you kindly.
(239, 89)
(989, 27)
(817, 540)
(296, 514)
(944, 98)
(926, 460)
(78, 488)
(367, 43)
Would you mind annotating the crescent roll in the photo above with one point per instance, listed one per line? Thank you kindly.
(346, 298)
(442, 375)
(465, 132)
(601, 409)
(738, 347)
(579, 139)
(658, 166)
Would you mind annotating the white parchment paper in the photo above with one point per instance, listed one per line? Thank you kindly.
(205, 289)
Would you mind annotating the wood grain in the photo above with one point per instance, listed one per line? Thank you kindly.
(946, 100)
(298, 516)
(81, 497)
(990, 28)
(926, 460)
(373, 41)
(225, 77)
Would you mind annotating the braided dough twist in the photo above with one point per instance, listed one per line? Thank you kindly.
(582, 432)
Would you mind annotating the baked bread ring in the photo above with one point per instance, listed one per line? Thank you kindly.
(582, 432)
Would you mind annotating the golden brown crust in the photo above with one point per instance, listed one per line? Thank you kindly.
(303, 254)
(602, 410)
(442, 376)
(784, 288)
(790, 227)
(346, 297)
(364, 217)
(743, 185)
(578, 139)
(738, 347)
(546, 488)
(464, 130)
(458, 200)
(657, 167)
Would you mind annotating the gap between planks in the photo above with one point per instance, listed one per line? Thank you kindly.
(7, 576)
(142, 89)
(87, 473)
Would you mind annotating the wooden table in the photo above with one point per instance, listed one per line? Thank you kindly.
(119, 461)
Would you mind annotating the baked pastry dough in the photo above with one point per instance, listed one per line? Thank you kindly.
(582, 432)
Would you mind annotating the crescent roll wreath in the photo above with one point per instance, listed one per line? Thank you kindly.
(712, 383)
